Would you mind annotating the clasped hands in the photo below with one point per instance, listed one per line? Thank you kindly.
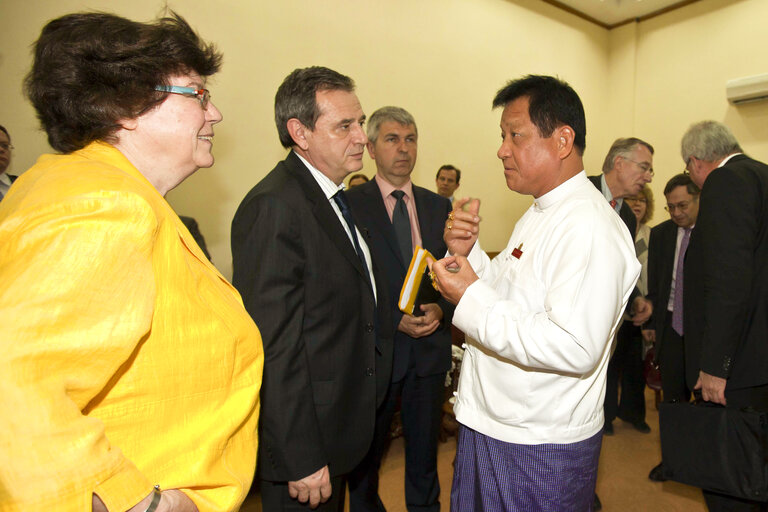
(424, 325)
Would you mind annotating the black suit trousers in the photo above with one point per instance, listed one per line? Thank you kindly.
(671, 356)
(626, 364)
(421, 400)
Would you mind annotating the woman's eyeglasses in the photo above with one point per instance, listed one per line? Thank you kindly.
(202, 95)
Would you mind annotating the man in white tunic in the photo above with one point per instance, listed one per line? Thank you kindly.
(539, 318)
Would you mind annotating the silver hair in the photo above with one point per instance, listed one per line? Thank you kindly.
(708, 141)
(622, 147)
(384, 114)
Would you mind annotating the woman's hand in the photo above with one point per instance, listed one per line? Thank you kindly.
(172, 500)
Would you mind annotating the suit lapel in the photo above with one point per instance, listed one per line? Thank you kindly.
(323, 212)
(670, 244)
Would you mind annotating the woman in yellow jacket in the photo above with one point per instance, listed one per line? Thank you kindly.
(126, 360)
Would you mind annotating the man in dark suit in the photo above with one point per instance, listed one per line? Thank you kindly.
(666, 254)
(395, 215)
(5, 161)
(307, 279)
(628, 166)
(725, 314)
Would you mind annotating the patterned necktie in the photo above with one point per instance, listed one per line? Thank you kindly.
(677, 304)
(341, 201)
(613, 203)
(402, 224)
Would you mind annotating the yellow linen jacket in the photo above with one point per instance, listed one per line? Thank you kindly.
(126, 359)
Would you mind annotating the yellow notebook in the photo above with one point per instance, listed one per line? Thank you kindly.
(417, 288)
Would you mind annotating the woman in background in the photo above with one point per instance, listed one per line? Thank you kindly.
(642, 207)
(127, 362)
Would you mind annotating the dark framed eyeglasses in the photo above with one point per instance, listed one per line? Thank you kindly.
(6, 146)
(202, 95)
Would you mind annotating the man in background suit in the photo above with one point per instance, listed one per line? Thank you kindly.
(628, 166)
(395, 215)
(666, 253)
(5, 161)
(306, 275)
(447, 181)
(725, 314)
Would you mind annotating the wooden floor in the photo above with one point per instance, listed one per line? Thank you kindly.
(623, 485)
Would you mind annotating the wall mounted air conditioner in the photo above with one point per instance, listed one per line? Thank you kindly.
(750, 88)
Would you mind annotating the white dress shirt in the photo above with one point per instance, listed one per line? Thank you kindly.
(542, 318)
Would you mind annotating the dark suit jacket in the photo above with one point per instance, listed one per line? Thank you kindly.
(12, 178)
(725, 308)
(661, 260)
(304, 285)
(628, 216)
(194, 230)
(431, 354)
(625, 212)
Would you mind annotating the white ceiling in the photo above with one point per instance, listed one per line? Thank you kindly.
(612, 12)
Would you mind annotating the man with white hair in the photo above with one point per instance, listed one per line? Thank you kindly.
(725, 314)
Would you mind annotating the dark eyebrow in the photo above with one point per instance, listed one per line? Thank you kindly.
(350, 121)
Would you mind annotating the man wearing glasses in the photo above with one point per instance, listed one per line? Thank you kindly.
(626, 169)
(5, 160)
(725, 318)
(666, 254)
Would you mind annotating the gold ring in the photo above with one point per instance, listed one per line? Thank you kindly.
(432, 276)
(450, 215)
(450, 225)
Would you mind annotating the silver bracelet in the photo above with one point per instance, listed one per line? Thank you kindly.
(155, 499)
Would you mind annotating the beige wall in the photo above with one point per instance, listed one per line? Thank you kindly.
(441, 59)
(683, 62)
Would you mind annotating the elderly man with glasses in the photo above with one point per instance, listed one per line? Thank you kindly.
(627, 168)
(725, 319)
